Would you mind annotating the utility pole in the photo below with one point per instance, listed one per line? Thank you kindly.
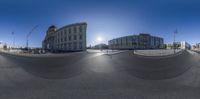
(175, 32)
(13, 34)
(29, 34)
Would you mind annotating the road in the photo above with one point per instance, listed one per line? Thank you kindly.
(98, 76)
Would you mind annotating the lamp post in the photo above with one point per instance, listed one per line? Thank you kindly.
(28, 35)
(175, 32)
(13, 34)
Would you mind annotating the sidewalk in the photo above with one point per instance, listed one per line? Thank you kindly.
(42, 55)
(106, 52)
(157, 52)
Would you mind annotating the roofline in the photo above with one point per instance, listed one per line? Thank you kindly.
(73, 24)
(135, 35)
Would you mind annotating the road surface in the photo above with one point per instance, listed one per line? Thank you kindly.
(99, 76)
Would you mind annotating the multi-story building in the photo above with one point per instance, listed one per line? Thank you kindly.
(141, 41)
(198, 45)
(169, 46)
(182, 45)
(185, 45)
(3, 45)
(68, 38)
(101, 46)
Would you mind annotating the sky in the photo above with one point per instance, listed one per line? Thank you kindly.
(107, 19)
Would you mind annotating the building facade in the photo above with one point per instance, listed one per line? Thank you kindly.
(185, 45)
(101, 46)
(141, 41)
(196, 47)
(3, 46)
(68, 38)
(182, 45)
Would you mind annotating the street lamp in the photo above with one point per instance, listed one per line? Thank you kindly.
(175, 32)
(13, 34)
(29, 34)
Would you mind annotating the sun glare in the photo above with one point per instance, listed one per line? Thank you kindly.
(99, 39)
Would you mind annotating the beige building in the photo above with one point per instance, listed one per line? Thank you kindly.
(68, 38)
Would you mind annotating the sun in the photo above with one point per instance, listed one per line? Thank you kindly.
(99, 39)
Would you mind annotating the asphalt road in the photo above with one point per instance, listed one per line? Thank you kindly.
(97, 76)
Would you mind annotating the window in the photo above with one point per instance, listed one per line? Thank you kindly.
(65, 38)
(69, 46)
(69, 38)
(69, 30)
(75, 44)
(65, 46)
(126, 41)
(80, 45)
(61, 33)
(61, 46)
(65, 31)
(74, 37)
(61, 39)
(80, 29)
(80, 37)
(75, 30)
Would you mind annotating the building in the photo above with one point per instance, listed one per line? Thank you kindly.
(185, 45)
(169, 46)
(3, 46)
(141, 41)
(101, 46)
(196, 47)
(68, 38)
(179, 45)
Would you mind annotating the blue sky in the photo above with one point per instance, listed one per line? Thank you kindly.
(106, 18)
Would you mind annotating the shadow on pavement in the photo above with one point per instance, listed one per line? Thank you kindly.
(155, 68)
(50, 67)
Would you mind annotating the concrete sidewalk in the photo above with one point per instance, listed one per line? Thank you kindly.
(156, 52)
(43, 55)
(107, 52)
